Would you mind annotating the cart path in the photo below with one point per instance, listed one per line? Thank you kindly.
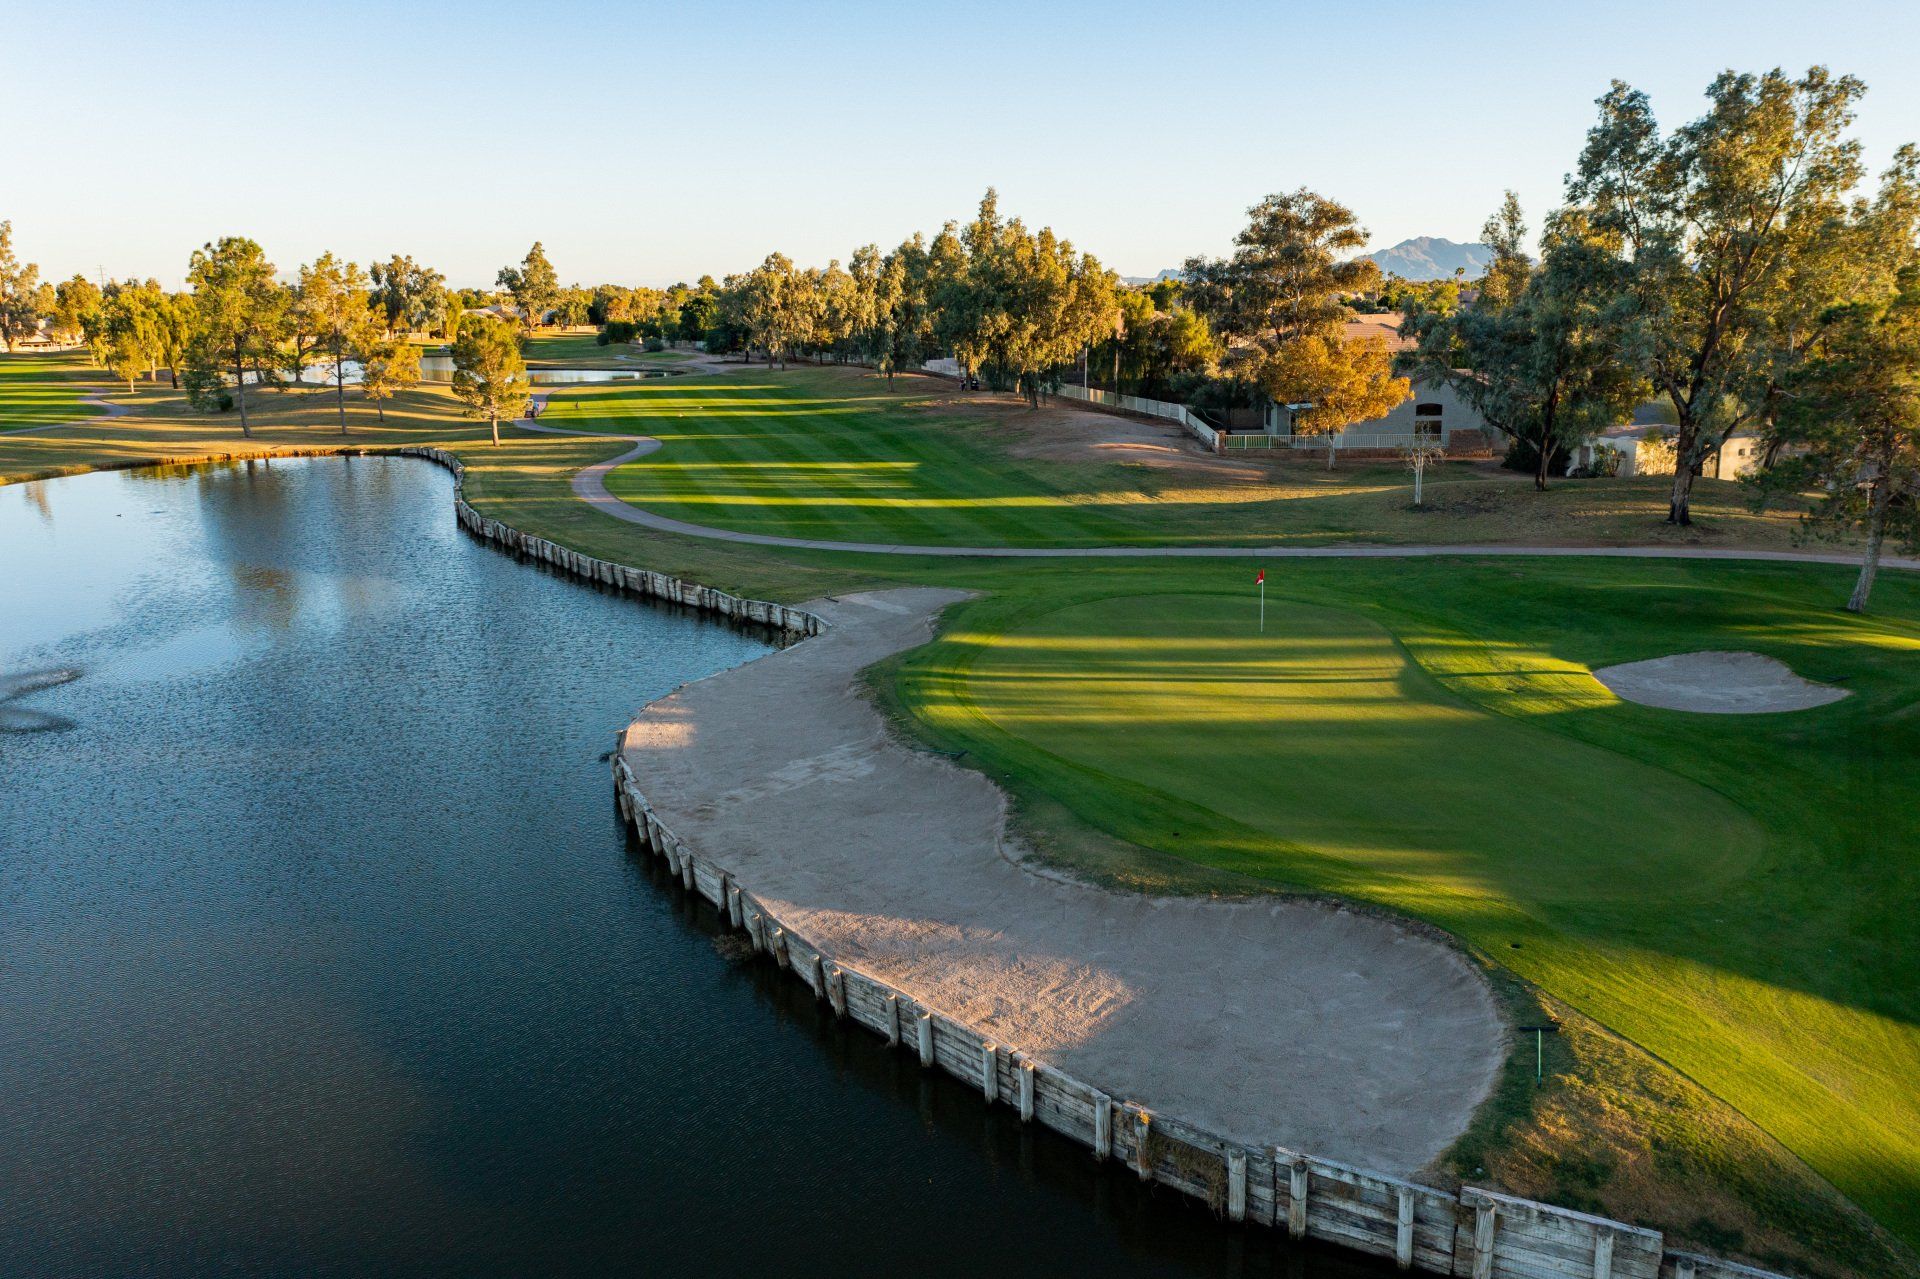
(590, 486)
(1271, 1021)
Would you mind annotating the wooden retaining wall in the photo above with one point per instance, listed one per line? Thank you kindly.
(793, 622)
(1475, 1234)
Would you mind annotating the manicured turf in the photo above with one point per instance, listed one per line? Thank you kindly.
(42, 388)
(834, 454)
(1737, 894)
(584, 351)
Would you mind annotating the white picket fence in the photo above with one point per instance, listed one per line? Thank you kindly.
(1180, 413)
(1346, 440)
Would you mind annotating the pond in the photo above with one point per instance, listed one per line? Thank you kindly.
(324, 951)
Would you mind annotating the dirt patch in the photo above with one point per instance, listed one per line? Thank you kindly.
(1717, 683)
(1264, 1020)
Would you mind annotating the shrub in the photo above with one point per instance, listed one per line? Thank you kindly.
(1523, 456)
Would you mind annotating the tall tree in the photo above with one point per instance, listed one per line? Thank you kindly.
(489, 372)
(334, 301)
(20, 300)
(388, 366)
(534, 285)
(1711, 220)
(407, 294)
(1850, 411)
(1542, 357)
(73, 301)
(1283, 294)
(239, 306)
(767, 307)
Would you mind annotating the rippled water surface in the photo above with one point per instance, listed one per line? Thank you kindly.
(322, 950)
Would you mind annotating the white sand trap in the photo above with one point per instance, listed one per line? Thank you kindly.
(1717, 684)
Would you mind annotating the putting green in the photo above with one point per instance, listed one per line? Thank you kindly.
(1461, 768)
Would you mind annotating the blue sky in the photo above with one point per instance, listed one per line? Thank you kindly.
(646, 143)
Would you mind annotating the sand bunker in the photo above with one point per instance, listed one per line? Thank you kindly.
(1264, 1020)
(1717, 684)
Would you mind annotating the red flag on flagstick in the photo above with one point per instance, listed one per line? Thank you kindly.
(1260, 579)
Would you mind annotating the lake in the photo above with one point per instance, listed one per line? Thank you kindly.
(323, 951)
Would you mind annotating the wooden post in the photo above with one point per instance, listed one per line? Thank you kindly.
(1483, 1225)
(1026, 1092)
(1236, 1185)
(686, 870)
(1102, 1125)
(893, 1020)
(1403, 1232)
(1603, 1256)
(923, 1029)
(1142, 1162)
(778, 945)
(817, 976)
(990, 1073)
(837, 991)
(735, 911)
(1683, 1268)
(726, 899)
(1297, 1198)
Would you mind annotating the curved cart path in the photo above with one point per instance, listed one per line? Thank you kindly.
(590, 486)
(1274, 1022)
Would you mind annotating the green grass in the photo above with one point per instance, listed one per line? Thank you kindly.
(36, 389)
(833, 454)
(583, 351)
(1737, 895)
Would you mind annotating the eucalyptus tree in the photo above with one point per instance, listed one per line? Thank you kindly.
(533, 284)
(239, 308)
(489, 371)
(1849, 411)
(1543, 357)
(21, 301)
(122, 336)
(73, 301)
(767, 309)
(408, 295)
(1714, 221)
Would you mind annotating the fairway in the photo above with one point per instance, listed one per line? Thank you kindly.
(39, 389)
(836, 454)
(1735, 894)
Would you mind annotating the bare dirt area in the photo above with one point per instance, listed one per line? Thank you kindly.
(1270, 1021)
(1062, 432)
(1717, 683)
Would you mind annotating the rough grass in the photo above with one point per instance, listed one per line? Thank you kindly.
(1724, 968)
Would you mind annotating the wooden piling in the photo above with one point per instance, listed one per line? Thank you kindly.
(923, 1030)
(893, 1020)
(1026, 1092)
(1102, 1125)
(1236, 1185)
(1403, 1231)
(1483, 1227)
(990, 1073)
(1297, 1198)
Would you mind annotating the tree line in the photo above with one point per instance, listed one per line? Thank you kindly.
(1732, 269)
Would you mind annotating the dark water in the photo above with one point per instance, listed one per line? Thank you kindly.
(322, 950)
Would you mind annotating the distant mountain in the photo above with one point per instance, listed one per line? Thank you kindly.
(1428, 257)
(1140, 281)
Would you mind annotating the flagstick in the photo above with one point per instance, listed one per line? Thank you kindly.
(1263, 606)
